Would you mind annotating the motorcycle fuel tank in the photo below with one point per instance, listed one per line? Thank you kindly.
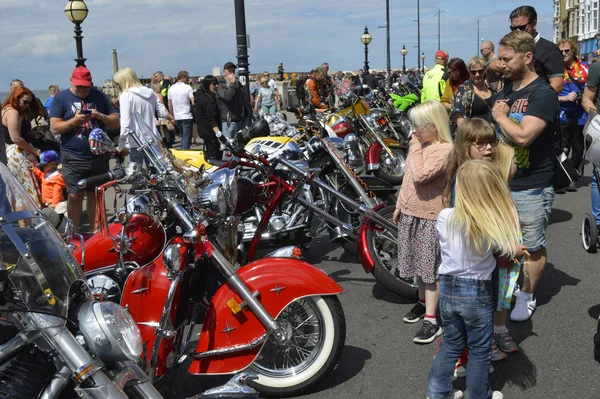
(144, 238)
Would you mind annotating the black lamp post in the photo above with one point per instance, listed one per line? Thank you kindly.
(404, 52)
(366, 39)
(77, 11)
(423, 58)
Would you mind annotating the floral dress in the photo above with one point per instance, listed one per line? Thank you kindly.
(462, 103)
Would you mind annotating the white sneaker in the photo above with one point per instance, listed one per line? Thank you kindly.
(497, 395)
(523, 308)
(456, 394)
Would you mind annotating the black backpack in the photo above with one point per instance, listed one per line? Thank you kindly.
(300, 92)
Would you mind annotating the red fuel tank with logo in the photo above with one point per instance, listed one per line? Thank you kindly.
(144, 239)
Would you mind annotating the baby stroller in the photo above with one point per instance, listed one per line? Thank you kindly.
(589, 226)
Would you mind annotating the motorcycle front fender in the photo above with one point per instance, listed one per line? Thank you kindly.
(232, 338)
(144, 296)
(361, 242)
(374, 150)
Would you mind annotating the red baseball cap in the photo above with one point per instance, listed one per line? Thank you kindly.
(441, 55)
(81, 76)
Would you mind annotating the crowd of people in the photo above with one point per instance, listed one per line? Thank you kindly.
(475, 202)
(491, 137)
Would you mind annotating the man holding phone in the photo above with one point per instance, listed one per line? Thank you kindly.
(73, 114)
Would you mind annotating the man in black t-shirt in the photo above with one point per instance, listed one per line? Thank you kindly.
(525, 112)
(549, 63)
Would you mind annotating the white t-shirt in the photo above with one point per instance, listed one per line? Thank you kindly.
(180, 95)
(457, 257)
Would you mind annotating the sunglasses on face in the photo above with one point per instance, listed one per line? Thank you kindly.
(566, 51)
(477, 71)
(519, 27)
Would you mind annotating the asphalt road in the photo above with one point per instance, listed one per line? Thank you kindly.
(380, 360)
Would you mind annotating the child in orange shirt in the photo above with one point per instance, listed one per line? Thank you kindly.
(51, 180)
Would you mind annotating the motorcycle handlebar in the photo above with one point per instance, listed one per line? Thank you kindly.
(94, 181)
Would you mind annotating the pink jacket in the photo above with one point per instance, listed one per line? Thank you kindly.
(424, 181)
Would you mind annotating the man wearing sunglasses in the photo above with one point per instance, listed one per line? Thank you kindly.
(525, 111)
(548, 59)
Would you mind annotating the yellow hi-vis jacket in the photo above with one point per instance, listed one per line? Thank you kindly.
(433, 83)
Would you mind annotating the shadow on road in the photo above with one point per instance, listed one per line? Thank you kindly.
(338, 277)
(351, 363)
(594, 312)
(383, 294)
(551, 284)
(560, 216)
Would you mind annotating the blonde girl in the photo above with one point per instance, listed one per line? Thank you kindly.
(476, 139)
(483, 224)
(419, 202)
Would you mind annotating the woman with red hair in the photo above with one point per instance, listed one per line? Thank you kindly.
(20, 155)
(458, 74)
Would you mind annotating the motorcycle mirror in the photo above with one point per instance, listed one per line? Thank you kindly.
(123, 217)
(69, 232)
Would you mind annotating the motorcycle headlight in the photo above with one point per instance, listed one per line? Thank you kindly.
(211, 200)
(172, 258)
(227, 178)
(110, 331)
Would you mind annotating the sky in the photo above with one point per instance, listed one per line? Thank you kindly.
(37, 45)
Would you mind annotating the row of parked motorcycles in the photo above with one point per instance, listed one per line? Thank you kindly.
(111, 314)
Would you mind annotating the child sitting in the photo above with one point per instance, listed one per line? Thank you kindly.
(51, 180)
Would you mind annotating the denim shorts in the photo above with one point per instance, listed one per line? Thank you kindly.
(534, 207)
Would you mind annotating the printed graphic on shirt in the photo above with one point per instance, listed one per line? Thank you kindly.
(84, 130)
(518, 109)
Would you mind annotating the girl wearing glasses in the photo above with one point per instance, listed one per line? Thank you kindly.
(473, 99)
(20, 155)
(419, 202)
(476, 139)
(482, 224)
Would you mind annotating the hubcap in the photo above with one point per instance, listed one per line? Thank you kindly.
(302, 324)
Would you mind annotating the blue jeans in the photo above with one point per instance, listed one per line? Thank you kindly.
(467, 314)
(534, 207)
(269, 109)
(231, 130)
(186, 128)
(595, 199)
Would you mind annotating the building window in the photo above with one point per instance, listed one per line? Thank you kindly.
(594, 16)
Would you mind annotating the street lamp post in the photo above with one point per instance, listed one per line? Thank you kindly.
(439, 14)
(418, 32)
(77, 11)
(242, 44)
(404, 52)
(366, 39)
(423, 58)
(387, 40)
(477, 40)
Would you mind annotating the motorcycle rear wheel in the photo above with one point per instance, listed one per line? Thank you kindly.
(317, 327)
(384, 251)
(392, 173)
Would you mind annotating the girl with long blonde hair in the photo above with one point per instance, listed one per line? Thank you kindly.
(482, 224)
(476, 139)
(419, 202)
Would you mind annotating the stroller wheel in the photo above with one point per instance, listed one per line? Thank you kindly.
(589, 233)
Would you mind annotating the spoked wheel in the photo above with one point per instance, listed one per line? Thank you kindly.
(315, 336)
(391, 169)
(383, 247)
(589, 233)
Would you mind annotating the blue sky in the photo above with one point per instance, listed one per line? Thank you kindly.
(37, 45)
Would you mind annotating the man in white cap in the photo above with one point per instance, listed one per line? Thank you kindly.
(434, 81)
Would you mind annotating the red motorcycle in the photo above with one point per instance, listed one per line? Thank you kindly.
(167, 253)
